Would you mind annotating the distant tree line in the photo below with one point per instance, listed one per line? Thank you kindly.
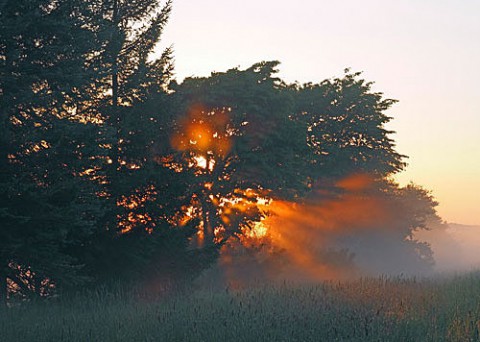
(110, 169)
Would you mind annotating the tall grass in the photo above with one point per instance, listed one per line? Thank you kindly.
(369, 309)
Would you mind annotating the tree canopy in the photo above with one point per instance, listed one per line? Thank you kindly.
(113, 170)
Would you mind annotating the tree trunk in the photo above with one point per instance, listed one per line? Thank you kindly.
(114, 122)
(207, 227)
(115, 117)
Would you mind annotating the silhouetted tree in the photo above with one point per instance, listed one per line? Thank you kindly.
(245, 134)
(235, 132)
(346, 127)
(45, 210)
(130, 93)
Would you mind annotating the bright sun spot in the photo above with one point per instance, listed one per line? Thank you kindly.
(201, 161)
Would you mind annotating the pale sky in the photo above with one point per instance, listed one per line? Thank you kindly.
(424, 53)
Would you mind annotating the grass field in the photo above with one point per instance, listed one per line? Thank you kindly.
(380, 309)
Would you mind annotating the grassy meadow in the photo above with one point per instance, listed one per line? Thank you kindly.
(369, 309)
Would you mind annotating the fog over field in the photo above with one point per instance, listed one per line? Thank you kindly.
(367, 253)
(456, 247)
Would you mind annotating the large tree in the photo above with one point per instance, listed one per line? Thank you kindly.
(245, 136)
(85, 113)
(130, 95)
(45, 210)
(235, 133)
(281, 138)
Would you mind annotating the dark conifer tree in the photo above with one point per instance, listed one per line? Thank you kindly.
(46, 212)
(130, 93)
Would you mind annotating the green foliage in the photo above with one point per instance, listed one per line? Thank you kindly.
(346, 127)
(269, 149)
(84, 116)
(129, 92)
(287, 136)
(46, 212)
(267, 152)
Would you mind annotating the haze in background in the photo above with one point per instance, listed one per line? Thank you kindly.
(423, 53)
(455, 247)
